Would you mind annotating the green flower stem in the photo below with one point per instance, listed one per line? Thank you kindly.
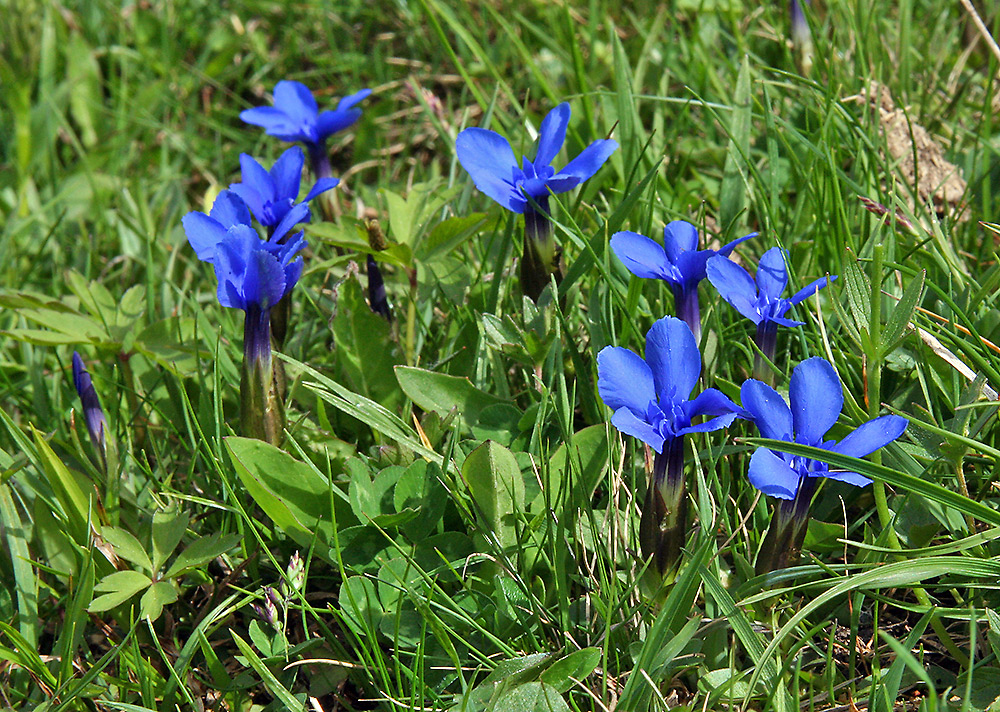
(663, 522)
(262, 412)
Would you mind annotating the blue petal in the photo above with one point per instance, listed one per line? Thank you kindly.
(232, 257)
(330, 122)
(286, 174)
(811, 289)
(229, 209)
(691, 265)
(735, 286)
(768, 410)
(297, 214)
(642, 256)
(727, 249)
(816, 399)
(204, 234)
(723, 421)
(851, 478)
(782, 321)
(256, 177)
(674, 359)
(562, 184)
(295, 99)
(293, 270)
(589, 161)
(710, 401)
(322, 185)
(264, 282)
(772, 276)
(627, 422)
(871, 436)
(552, 134)
(772, 475)
(624, 379)
(488, 158)
(679, 236)
(350, 100)
(252, 198)
(268, 117)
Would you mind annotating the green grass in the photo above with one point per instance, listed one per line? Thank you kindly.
(443, 572)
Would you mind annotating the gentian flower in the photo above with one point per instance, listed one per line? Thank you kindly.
(93, 414)
(525, 188)
(271, 195)
(815, 401)
(761, 301)
(678, 262)
(295, 116)
(205, 232)
(651, 401)
(254, 276)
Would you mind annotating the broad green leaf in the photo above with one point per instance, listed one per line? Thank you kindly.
(296, 498)
(576, 466)
(128, 547)
(575, 666)
(497, 487)
(157, 596)
(360, 605)
(448, 235)
(118, 588)
(531, 697)
(440, 392)
(168, 530)
(364, 347)
(201, 551)
(858, 289)
(83, 75)
(901, 314)
(18, 534)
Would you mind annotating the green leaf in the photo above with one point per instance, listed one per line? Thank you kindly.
(448, 235)
(440, 392)
(118, 588)
(296, 498)
(531, 697)
(576, 666)
(17, 534)
(858, 289)
(83, 77)
(127, 547)
(279, 691)
(372, 497)
(168, 530)
(364, 346)
(732, 195)
(360, 605)
(497, 487)
(160, 594)
(901, 314)
(76, 496)
(201, 551)
(576, 466)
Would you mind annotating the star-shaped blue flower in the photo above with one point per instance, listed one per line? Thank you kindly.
(271, 195)
(760, 301)
(295, 115)
(490, 161)
(254, 274)
(650, 397)
(205, 232)
(678, 262)
(815, 401)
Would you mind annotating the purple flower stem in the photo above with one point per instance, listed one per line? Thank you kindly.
(663, 522)
(686, 305)
(319, 161)
(766, 340)
(782, 545)
(262, 412)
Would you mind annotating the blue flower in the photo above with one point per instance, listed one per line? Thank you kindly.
(489, 159)
(815, 399)
(205, 232)
(271, 195)
(254, 274)
(93, 414)
(651, 397)
(760, 301)
(295, 115)
(678, 262)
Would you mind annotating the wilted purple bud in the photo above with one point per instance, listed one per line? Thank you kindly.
(97, 424)
(801, 35)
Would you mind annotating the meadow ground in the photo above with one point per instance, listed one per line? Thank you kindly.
(448, 519)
